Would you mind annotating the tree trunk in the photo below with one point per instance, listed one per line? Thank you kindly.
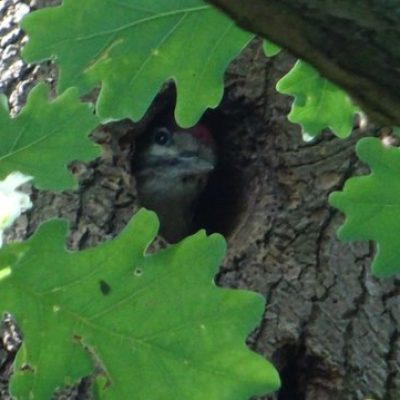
(353, 43)
(329, 327)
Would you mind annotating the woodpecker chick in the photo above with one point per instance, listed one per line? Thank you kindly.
(172, 167)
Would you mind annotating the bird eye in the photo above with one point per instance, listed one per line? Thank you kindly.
(162, 136)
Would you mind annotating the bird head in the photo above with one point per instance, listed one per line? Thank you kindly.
(174, 154)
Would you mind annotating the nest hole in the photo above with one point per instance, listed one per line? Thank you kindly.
(220, 205)
(302, 373)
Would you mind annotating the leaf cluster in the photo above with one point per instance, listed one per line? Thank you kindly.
(156, 326)
(153, 325)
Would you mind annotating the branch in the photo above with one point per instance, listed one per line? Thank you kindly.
(355, 44)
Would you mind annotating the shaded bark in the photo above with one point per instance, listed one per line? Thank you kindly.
(353, 43)
(329, 327)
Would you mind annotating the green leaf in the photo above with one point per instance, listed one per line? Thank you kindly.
(318, 103)
(132, 47)
(3, 103)
(271, 49)
(372, 205)
(157, 323)
(45, 137)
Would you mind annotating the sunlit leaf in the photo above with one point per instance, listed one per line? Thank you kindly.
(270, 49)
(132, 47)
(318, 103)
(45, 137)
(157, 323)
(372, 204)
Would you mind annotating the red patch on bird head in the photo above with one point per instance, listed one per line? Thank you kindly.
(203, 134)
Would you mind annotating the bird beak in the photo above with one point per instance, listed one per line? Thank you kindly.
(183, 165)
(193, 165)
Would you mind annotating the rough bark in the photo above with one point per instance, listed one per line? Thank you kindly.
(330, 328)
(353, 43)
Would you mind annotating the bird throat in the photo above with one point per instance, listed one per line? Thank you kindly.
(174, 201)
